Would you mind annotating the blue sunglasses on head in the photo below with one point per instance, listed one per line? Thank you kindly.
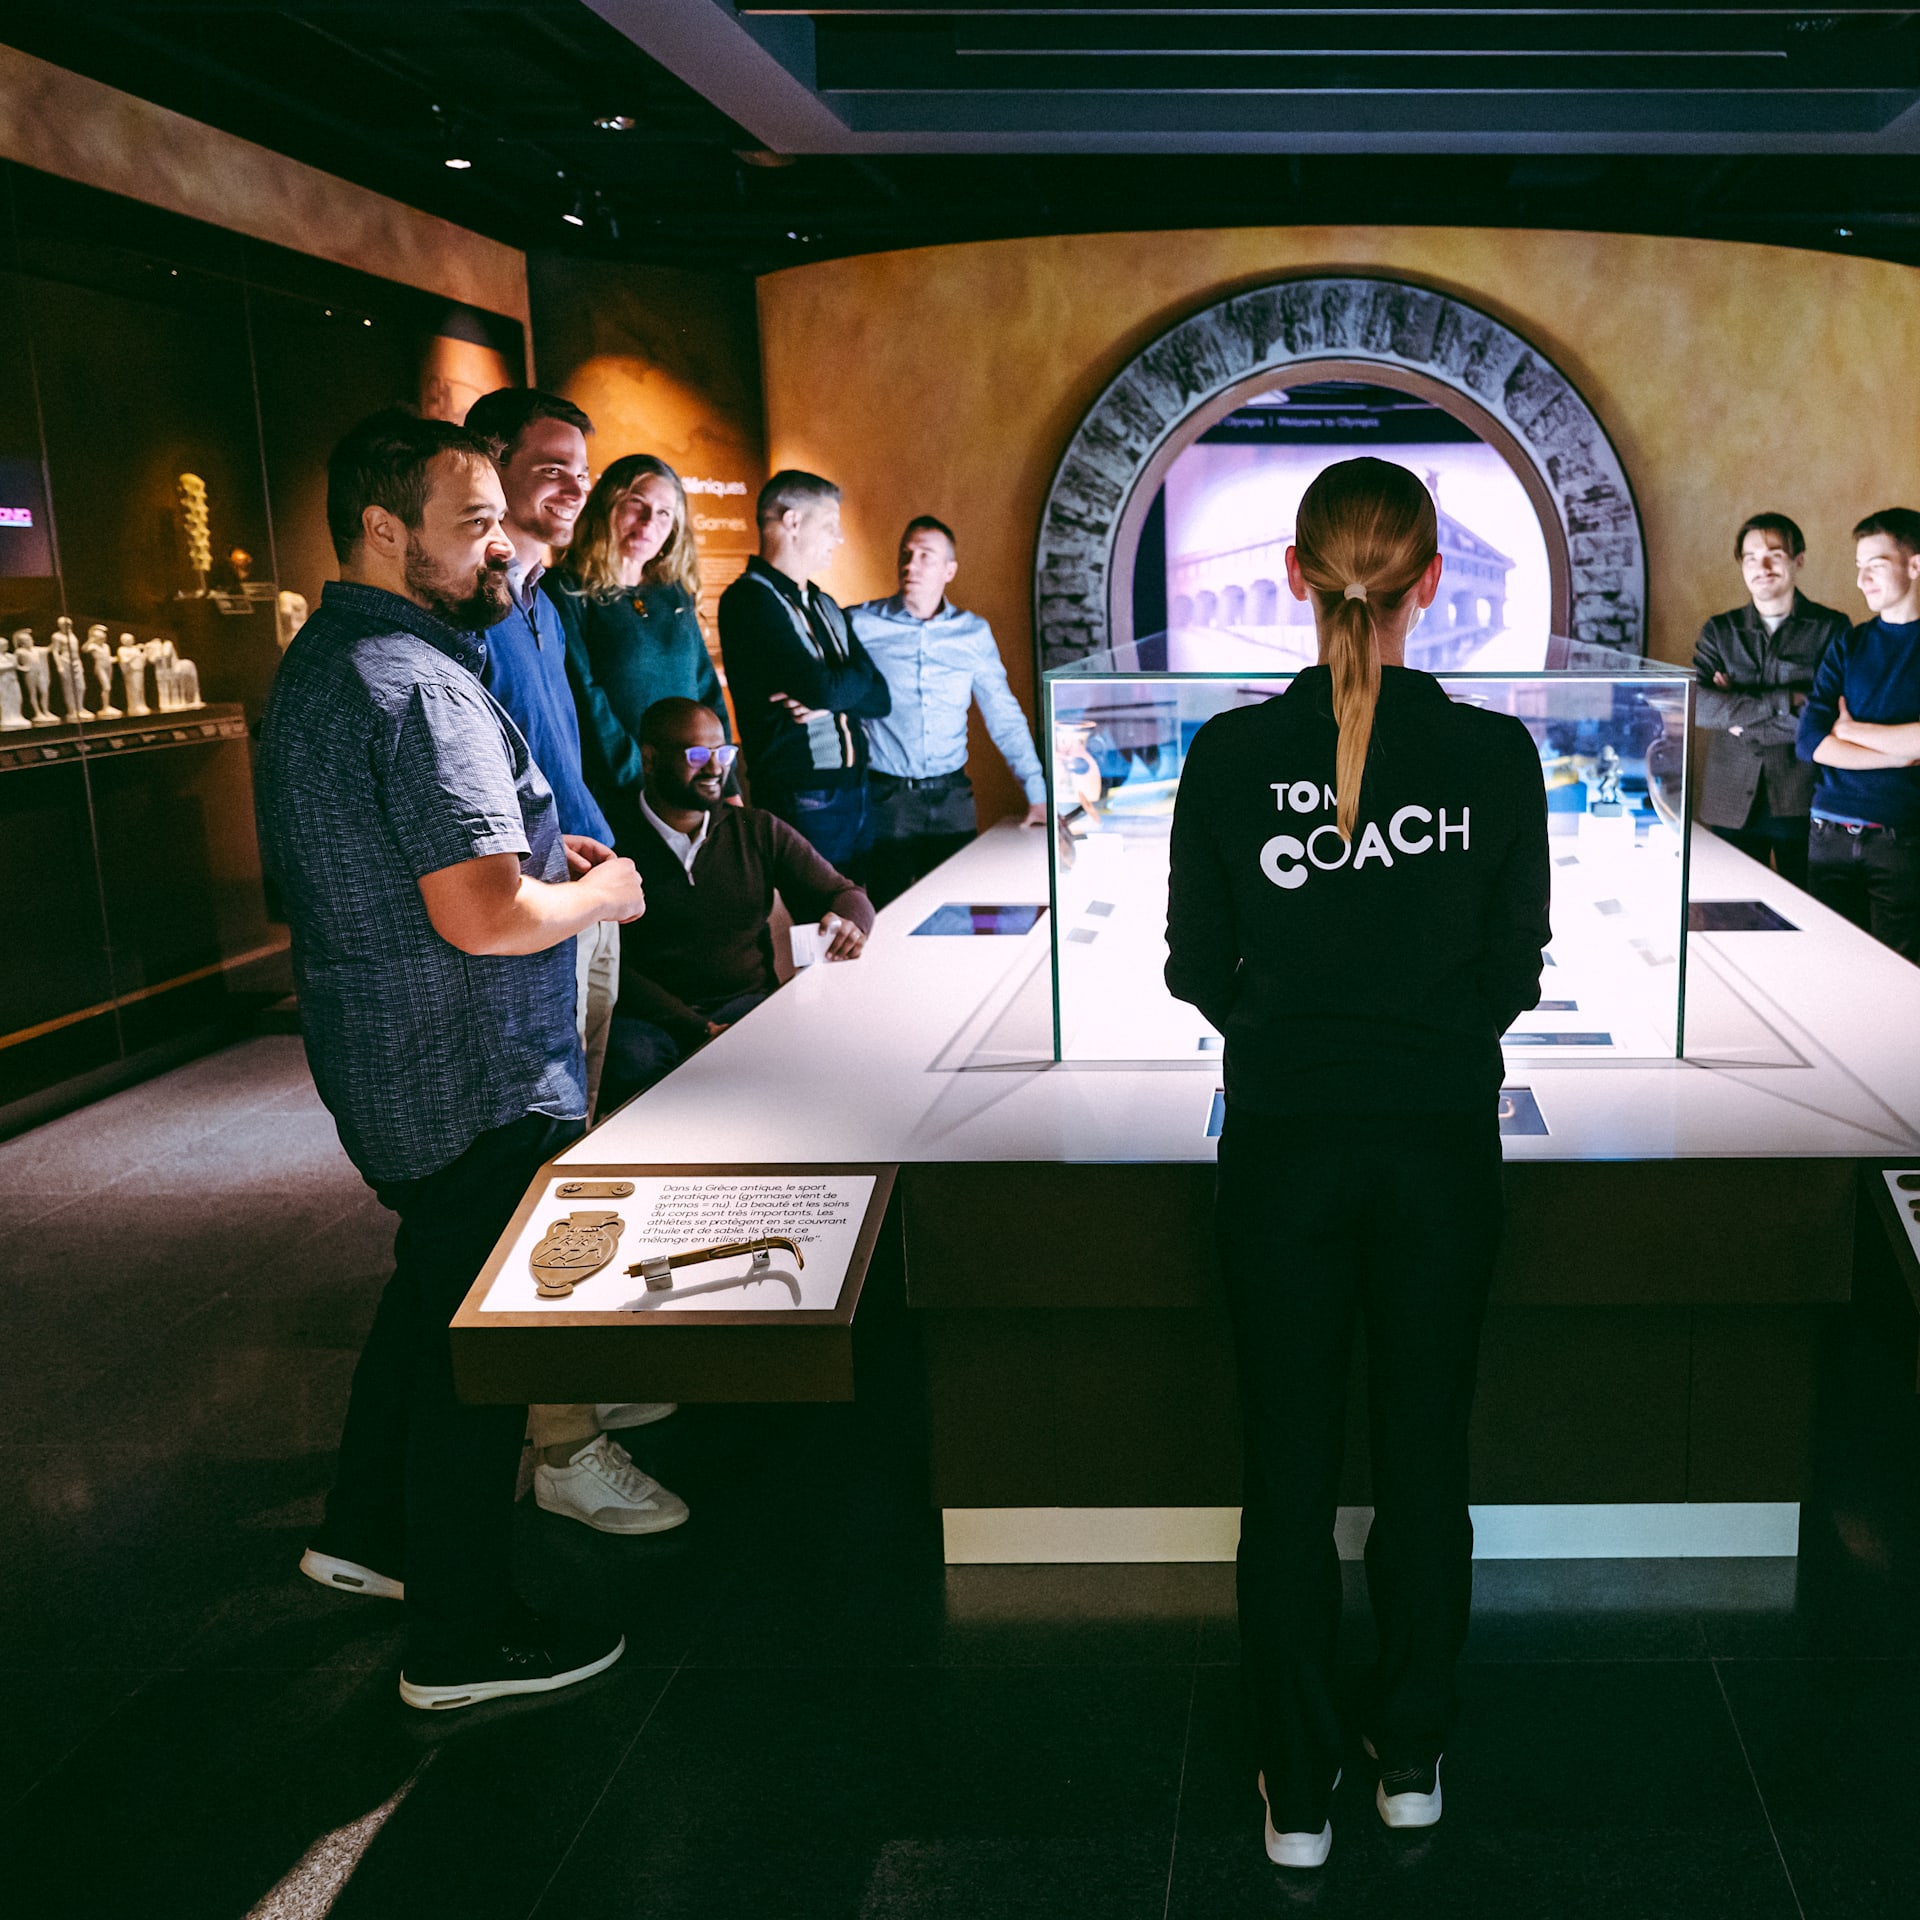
(722, 757)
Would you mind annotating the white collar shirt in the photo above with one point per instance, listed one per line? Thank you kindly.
(685, 846)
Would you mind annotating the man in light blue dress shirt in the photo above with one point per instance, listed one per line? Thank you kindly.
(937, 661)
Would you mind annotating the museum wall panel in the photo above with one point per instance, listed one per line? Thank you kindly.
(665, 362)
(140, 346)
(1731, 378)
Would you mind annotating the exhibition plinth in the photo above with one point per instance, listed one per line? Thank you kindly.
(1679, 1231)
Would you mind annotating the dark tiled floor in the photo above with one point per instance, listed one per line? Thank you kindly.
(815, 1718)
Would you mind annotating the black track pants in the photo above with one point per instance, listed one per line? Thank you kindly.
(1397, 1220)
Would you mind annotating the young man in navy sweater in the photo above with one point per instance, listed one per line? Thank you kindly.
(1861, 727)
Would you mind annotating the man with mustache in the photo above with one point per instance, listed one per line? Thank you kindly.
(433, 899)
(703, 957)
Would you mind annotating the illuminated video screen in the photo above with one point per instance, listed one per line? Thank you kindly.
(1210, 581)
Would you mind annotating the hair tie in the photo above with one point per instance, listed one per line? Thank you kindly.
(1356, 590)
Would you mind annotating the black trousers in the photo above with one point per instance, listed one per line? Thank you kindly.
(1786, 854)
(1873, 878)
(1396, 1222)
(425, 1484)
(916, 826)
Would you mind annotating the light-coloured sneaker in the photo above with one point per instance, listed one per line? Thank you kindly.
(633, 1413)
(349, 1576)
(1297, 1849)
(1409, 1796)
(601, 1486)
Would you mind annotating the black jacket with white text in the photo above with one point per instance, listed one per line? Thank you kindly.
(1375, 977)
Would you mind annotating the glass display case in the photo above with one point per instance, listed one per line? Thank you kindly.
(1613, 754)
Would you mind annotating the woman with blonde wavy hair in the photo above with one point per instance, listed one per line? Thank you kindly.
(1358, 901)
(628, 592)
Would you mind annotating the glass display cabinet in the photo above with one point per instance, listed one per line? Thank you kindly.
(1613, 754)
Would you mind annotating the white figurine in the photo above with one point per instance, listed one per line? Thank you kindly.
(290, 615)
(72, 670)
(38, 675)
(176, 682)
(12, 715)
(95, 647)
(133, 672)
(160, 657)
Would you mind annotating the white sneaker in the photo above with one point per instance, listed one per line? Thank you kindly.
(349, 1576)
(1407, 1796)
(601, 1486)
(633, 1413)
(1297, 1849)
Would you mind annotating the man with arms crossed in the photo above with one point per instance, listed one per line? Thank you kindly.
(801, 680)
(583, 1473)
(434, 902)
(937, 661)
(1861, 726)
(1755, 668)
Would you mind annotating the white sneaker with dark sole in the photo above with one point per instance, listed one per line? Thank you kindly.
(601, 1487)
(1297, 1849)
(1407, 1796)
(634, 1413)
(538, 1657)
(349, 1576)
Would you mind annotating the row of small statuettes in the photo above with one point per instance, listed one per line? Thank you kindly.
(33, 671)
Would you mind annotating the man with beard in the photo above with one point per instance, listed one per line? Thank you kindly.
(703, 957)
(434, 900)
(583, 1473)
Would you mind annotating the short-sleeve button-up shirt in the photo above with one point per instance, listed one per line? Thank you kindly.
(383, 758)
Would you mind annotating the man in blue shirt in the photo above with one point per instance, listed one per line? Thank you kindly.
(1861, 727)
(583, 1473)
(426, 879)
(938, 661)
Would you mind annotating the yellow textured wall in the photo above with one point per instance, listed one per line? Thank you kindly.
(1732, 378)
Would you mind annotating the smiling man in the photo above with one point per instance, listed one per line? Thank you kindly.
(543, 470)
(703, 957)
(1861, 728)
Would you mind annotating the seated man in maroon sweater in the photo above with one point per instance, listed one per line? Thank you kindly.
(704, 955)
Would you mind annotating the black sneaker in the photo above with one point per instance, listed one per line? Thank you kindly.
(533, 1654)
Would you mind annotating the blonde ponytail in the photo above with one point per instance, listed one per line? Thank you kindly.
(1366, 532)
(1353, 652)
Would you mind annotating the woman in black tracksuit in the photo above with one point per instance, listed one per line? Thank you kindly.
(1358, 901)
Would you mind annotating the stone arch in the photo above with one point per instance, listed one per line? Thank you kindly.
(1393, 331)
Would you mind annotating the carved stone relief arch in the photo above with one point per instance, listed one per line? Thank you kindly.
(1347, 326)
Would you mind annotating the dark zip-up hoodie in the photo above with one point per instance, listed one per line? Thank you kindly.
(1375, 977)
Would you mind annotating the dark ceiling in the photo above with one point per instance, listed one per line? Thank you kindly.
(387, 95)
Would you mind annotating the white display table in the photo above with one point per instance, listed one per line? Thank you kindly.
(1678, 1237)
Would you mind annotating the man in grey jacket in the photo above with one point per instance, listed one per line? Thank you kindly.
(1754, 667)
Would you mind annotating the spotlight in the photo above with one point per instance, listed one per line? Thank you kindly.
(1843, 233)
(459, 166)
(614, 122)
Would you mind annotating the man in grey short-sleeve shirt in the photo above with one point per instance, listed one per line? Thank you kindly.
(433, 901)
